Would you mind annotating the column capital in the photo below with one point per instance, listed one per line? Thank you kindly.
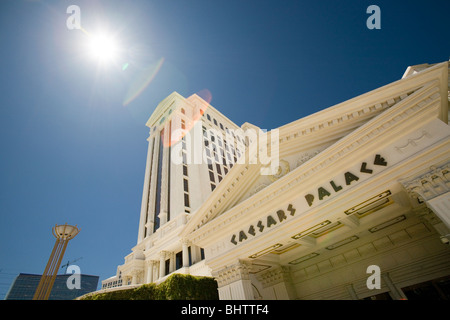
(164, 254)
(230, 274)
(185, 242)
(151, 262)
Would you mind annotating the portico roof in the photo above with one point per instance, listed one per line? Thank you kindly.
(353, 130)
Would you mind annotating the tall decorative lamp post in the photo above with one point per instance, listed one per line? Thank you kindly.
(62, 233)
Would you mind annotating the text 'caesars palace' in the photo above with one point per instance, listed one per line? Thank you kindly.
(300, 211)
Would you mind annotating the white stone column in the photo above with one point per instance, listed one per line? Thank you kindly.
(172, 265)
(195, 252)
(185, 248)
(134, 278)
(162, 264)
(149, 271)
(155, 270)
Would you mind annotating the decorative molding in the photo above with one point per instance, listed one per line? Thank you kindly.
(257, 189)
(304, 258)
(367, 110)
(413, 142)
(275, 276)
(283, 169)
(230, 274)
(306, 156)
(429, 185)
(342, 242)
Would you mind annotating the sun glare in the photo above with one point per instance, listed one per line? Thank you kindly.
(102, 47)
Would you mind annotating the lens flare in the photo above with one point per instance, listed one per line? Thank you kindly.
(192, 120)
(142, 81)
(205, 94)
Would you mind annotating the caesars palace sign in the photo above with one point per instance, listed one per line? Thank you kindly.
(322, 192)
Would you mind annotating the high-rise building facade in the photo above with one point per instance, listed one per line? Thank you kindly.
(24, 287)
(354, 202)
(191, 148)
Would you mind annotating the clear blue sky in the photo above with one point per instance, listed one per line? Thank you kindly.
(71, 152)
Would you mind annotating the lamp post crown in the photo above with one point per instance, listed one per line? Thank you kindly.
(65, 232)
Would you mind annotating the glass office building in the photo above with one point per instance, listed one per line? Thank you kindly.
(24, 287)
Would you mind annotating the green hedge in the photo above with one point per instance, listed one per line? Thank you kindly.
(175, 287)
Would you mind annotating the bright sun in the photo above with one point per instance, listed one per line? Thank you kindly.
(102, 47)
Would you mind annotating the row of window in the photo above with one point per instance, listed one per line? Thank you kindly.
(220, 167)
(228, 131)
(185, 177)
(179, 260)
(112, 284)
(178, 265)
(220, 147)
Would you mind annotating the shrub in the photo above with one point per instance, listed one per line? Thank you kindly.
(175, 287)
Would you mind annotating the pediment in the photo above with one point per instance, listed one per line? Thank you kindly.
(328, 135)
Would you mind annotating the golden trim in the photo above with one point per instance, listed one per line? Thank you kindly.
(368, 203)
(264, 251)
(310, 230)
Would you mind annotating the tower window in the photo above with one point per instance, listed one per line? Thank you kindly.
(186, 200)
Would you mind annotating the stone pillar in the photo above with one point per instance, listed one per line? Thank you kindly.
(172, 262)
(162, 264)
(234, 282)
(433, 188)
(149, 271)
(134, 279)
(185, 248)
(196, 255)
